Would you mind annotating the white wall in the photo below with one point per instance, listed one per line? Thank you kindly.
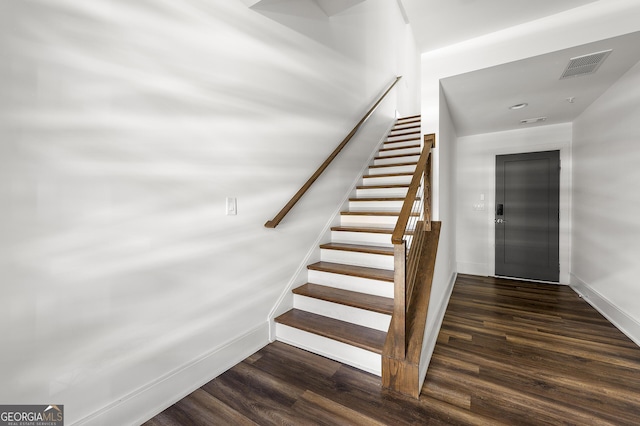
(123, 127)
(476, 168)
(606, 200)
(445, 268)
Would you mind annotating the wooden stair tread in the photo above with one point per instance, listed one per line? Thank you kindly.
(401, 133)
(351, 334)
(353, 271)
(410, 116)
(370, 230)
(360, 248)
(387, 142)
(396, 156)
(404, 123)
(379, 199)
(398, 148)
(387, 175)
(377, 213)
(413, 126)
(410, 132)
(382, 305)
(390, 186)
(379, 166)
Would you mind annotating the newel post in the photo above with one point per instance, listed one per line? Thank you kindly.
(400, 300)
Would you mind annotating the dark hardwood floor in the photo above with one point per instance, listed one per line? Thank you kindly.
(509, 352)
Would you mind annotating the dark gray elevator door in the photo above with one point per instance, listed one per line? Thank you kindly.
(528, 215)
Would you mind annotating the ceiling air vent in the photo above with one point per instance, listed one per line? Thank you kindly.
(585, 64)
(533, 120)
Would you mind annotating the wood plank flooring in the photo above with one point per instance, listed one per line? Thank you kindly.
(509, 352)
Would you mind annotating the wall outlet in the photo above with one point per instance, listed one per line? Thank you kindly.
(232, 206)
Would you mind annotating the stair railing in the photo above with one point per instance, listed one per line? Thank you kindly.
(298, 195)
(407, 238)
(415, 241)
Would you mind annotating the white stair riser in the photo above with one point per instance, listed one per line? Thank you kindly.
(392, 144)
(403, 151)
(340, 312)
(370, 238)
(342, 352)
(387, 180)
(405, 126)
(405, 159)
(381, 192)
(366, 220)
(363, 205)
(403, 135)
(406, 123)
(347, 282)
(381, 206)
(392, 169)
(368, 260)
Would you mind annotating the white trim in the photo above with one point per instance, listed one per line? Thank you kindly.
(528, 280)
(151, 399)
(285, 301)
(431, 336)
(620, 319)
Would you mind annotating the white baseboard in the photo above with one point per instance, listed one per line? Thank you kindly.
(139, 406)
(621, 320)
(431, 336)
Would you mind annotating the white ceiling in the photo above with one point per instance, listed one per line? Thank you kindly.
(440, 23)
(479, 100)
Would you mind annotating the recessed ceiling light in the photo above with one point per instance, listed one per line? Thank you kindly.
(519, 106)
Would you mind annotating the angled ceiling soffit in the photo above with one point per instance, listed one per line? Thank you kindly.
(309, 9)
(335, 7)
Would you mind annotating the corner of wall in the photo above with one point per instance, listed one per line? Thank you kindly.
(623, 322)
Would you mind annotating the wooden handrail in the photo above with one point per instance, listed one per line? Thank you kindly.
(298, 195)
(405, 212)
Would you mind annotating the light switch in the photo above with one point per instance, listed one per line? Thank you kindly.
(481, 197)
(232, 206)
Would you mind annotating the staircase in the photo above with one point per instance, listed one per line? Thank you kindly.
(344, 310)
